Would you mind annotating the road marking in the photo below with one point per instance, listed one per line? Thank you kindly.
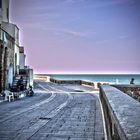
(41, 122)
(30, 108)
(105, 133)
(44, 88)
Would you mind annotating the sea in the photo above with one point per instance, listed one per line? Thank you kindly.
(116, 79)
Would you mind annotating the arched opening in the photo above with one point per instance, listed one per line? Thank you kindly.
(10, 74)
(1, 67)
(5, 66)
(15, 58)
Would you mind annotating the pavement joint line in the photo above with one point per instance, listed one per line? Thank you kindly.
(105, 133)
(52, 114)
(68, 93)
(44, 88)
(30, 108)
(33, 129)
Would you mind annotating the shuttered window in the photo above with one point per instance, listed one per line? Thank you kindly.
(0, 3)
(7, 13)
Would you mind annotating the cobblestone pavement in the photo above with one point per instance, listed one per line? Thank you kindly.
(54, 113)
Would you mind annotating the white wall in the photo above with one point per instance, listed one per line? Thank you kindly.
(0, 15)
(4, 12)
(10, 74)
(22, 60)
(30, 77)
(12, 30)
(16, 51)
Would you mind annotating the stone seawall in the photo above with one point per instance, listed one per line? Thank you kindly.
(122, 114)
(125, 88)
(131, 90)
(79, 82)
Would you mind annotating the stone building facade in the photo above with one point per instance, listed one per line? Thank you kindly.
(12, 57)
(6, 60)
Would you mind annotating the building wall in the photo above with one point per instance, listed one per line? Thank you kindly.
(12, 30)
(31, 77)
(12, 57)
(22, 60)
(4, 10)
(1, 66)
(6, 62)
(9, 47)
(16, 58)
(0, 15)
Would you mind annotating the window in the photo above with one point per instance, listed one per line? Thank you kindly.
(0, 3)
(7, 13)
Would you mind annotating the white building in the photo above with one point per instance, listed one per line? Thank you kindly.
(22, 58)
(4, 10)
(12, 57)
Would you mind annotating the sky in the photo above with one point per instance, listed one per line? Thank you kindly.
(79, 36)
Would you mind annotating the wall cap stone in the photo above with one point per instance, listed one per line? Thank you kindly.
(125, 109)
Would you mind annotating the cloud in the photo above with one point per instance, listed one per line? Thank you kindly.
(117, 2)
(107, 3)
(69, 32)
(73, 1)
(121, 37)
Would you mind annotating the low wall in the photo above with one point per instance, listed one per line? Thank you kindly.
(126, 88)
(65, 81)
(79, 82)
(122, 114)
(41, 77)
(131, 90)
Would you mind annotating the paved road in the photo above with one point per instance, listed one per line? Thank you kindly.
(54, 113)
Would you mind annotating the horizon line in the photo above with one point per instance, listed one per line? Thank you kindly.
(87, 73)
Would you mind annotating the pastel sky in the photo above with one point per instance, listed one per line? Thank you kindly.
(79, 36)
